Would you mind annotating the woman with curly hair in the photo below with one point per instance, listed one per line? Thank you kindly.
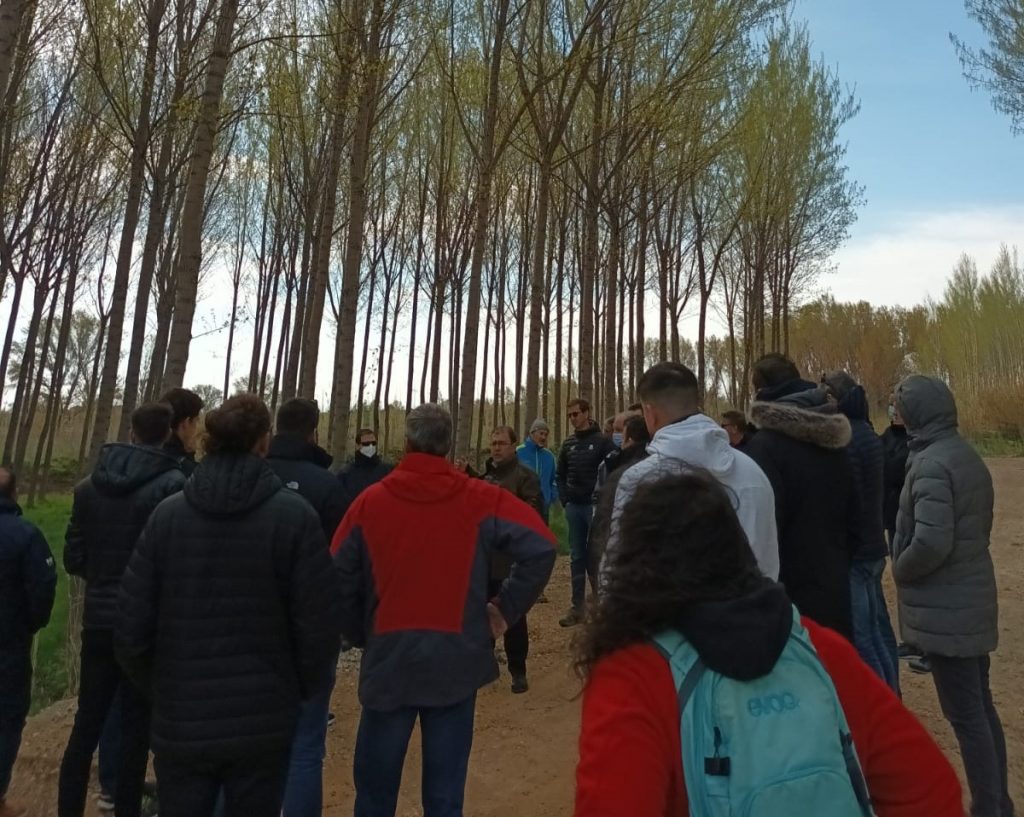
(685, 571)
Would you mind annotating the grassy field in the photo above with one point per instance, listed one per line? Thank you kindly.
(51, 672)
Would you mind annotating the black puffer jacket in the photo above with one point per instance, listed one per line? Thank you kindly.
(302, 467)
(28, 578)
(229, 613)
(109, 511)
(896, 450)
(578, 462)
(358, 475)
(867, 459)
(186, 459)
(802, 450)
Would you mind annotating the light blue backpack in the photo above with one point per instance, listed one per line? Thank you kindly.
(778, 746)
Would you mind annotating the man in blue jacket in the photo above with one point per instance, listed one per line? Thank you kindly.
(28, 582)
(534, 454)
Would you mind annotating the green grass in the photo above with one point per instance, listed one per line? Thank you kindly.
(998, 445)
(560, 528)
(50, 681)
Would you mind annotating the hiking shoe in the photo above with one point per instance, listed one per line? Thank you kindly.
(572, 618)
(105, 802)
(909, 651)
(922, 666)
(9, 809)
(520, 684)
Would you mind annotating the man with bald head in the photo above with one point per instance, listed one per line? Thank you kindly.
(28, 583)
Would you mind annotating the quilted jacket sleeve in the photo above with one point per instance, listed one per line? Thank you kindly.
(934, 525)
(137, 605)
(314, 603)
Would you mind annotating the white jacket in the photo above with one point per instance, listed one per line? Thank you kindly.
(700, 442)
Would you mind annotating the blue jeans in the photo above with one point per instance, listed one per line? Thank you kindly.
(578, 517)
(304, 793)
(872, 631)
(380, 755)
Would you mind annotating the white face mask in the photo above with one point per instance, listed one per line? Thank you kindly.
(368, 450)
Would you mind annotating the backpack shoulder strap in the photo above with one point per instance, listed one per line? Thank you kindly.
(687, 666)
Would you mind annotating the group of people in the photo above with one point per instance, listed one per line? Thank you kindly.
(736, 648)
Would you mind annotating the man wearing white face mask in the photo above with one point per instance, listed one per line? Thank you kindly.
(365, 469)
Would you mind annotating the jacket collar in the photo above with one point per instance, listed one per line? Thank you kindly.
(288, 446)
(9, 506)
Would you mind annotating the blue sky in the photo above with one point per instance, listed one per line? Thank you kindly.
(943, 172)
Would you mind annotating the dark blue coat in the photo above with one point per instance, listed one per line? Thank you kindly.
(867, 456)
(28, 578)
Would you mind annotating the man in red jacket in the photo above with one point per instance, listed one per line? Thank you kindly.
(413, 555)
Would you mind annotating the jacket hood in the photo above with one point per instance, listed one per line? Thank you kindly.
(806, 425)
(287, 446)
(928, 409)
(231, 484)
(425, 479)
(854, 404)
(124, 467)
(697, 440)
(741, 638)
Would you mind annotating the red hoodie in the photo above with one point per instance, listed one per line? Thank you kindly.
(630, 751)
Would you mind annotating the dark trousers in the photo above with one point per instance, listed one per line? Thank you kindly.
(15, 697)
(517, 638)
(966, 701)
(100, 680)
(110, 747)
(578, 516)
(380, 755)
(252, 786)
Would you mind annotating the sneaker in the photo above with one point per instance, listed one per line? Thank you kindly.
(105, 802)
(9, 809)
(330, 719)
(520, 684)
(922, 666)
(572, 618)
(909, 651)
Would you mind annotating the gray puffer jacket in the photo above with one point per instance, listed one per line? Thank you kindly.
(941, 562)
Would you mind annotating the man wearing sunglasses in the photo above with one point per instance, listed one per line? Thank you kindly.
(578, 462)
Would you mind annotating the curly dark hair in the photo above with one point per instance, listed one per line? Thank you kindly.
(680, 543)
(236, 426)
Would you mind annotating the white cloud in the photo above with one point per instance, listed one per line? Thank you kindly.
(913, 257)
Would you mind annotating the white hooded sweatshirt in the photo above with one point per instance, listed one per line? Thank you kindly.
(700, 442)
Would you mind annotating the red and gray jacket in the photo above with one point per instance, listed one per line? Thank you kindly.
(413, 555)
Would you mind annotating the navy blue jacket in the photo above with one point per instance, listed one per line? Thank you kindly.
(108, 513)
(868, 460)
(302, 467)
(28, 578)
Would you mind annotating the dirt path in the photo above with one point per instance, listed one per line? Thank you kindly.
(524, 754)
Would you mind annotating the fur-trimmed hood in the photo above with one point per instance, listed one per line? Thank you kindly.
(818, 428)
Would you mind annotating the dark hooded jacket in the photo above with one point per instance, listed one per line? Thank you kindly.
(359, 474)
(186, 459)
(868, 461)
(945, 580)
(802, 449)
(302, 467)
(28, 579)
(896, 450)
(601, 527)
(229, 613)
(413, 555)
(109, 511)
(579, 459)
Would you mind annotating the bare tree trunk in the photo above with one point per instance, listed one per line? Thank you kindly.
(190, 248)
(133, 205)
